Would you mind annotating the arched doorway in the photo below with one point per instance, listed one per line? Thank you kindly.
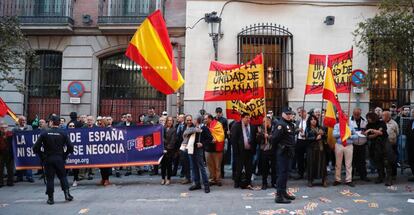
(276, 44)
(43, 80)
(123, 89)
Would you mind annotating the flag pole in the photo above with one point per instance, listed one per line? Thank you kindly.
(264, 99)
(326, 70)
(349, 86)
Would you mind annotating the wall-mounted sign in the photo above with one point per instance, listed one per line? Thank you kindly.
(76, 89)
(358, 77)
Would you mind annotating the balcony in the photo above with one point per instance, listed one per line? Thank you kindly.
(40, 16)
(124, 15)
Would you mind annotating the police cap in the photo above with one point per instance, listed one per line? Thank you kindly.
(287, 110)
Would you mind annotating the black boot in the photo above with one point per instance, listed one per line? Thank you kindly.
(68, 197)
(287, 196)
(50, 200)
(280, 200)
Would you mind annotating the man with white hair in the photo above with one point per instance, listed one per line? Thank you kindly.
(23, 126)
(359, 147)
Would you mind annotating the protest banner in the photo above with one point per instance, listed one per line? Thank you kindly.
(340, 65)
(235, 82)
(97, 147)
(255, 107)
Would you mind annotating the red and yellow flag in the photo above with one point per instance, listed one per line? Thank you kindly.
(150, 47)
(329, 121)
(235, 82)
(217, 131)
(341, 66)
(4, 109)
(330, 118)
(255, 108)
(330, 94)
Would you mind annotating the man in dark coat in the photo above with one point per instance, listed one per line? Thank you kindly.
(243, 137)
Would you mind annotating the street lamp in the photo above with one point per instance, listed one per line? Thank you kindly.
(215, 30)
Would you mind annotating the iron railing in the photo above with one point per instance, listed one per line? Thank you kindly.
(44, 84)
(123, 89)
(39, 12)
(125, 11)
(276, 44)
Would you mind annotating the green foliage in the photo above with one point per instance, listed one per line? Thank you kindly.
(388, 38)
(13, 52)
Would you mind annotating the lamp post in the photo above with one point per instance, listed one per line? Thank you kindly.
(215, 30)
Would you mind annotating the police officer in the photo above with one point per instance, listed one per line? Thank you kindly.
(53, 156)
(283, 140)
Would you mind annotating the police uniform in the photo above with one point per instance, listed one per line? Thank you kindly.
(283, 140)
(53, 156)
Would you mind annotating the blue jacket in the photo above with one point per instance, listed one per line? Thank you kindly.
(337, 135)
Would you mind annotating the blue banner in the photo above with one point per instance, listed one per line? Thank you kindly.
(98, 147)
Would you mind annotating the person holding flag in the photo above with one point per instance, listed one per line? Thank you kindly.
(344, 148)
(343, 134)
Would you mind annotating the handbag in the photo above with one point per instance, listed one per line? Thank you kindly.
(190, 145)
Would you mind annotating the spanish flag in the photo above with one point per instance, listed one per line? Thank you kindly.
(235, 81)
(330, 94)
(4, 109)
(217, 131)
(330, 118)
(329, 121)
(150, 47)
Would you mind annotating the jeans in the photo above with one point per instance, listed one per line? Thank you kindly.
(198, 166)
(185, 163)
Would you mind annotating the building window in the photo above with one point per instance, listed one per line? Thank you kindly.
(276, 44)
(388, 86)
(43, 81)
(123, 89)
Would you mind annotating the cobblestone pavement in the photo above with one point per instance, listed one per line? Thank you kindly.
(144, 195)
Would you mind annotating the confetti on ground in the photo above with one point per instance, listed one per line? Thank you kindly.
(184, 195)
(293, 189)
(305, 197)
(3, 205)
(84, 211)
(281, 211)
(349, 193)
(392, 210)
(248, 207)
(266, 212)
(291, 194)
(340, 210)
(298, 212)
(408, 189)
(212, 214)
(324, 200)
(247, 194)
(257, 188)
(311, 206)
(360, 201)
(327, 212)
(373, 205)
(410, 200)
(393, 188)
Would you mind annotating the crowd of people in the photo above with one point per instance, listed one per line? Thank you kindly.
(200, 146)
